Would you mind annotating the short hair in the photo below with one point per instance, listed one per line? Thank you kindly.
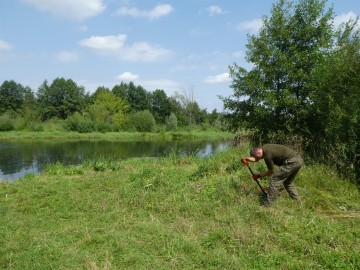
(253, 151)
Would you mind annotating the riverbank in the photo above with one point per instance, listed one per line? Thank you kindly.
(113, 136)
(176, 213)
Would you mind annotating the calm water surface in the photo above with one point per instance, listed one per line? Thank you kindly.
(20, 158)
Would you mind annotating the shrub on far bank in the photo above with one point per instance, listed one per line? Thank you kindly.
(143, 121)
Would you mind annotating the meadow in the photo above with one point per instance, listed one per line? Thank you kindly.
(176, 213)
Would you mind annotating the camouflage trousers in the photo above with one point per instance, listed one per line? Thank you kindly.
(284, 178)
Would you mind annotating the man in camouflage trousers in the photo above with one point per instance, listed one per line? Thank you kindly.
(289, 162)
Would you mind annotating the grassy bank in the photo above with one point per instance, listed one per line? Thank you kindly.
(172, 213)
(113, 136)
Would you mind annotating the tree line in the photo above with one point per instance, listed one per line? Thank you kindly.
(125, 107)
(304, 85)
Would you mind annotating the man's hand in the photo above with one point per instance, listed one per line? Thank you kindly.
(256, 176)
(245, 161)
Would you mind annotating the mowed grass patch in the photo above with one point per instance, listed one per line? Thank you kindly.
(182, 213)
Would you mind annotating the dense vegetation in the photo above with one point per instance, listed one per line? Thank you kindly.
(303, 87)
(176, 213)
(125, 107)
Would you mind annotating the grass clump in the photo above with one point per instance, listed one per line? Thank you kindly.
(183, 213)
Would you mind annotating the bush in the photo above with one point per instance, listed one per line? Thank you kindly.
(171, 122)
(79, 123)
(6, 125)
(143, 121)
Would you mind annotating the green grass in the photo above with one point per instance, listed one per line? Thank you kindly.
(176, 213)
(113, 136)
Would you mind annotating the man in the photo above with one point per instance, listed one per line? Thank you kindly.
(289, 162)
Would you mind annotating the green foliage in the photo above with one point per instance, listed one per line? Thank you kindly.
(61, 99)
(12, 96)
(304, 82)
(143, 121)
(6, 124)
(79, 123)
(274, 95)
(160, 105)
(171, 122)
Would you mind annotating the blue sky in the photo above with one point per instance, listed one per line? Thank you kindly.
(184, 45)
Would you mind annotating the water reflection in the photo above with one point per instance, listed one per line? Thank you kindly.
(19, 158)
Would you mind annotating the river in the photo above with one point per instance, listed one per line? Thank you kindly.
(18, 158)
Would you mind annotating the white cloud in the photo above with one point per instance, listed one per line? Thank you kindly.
(155, 13)
(76, 10)
(220, 78)
(250, 26)
(5, 46)
(116, 46)
(127, 76)
(343, 18)
(67, 57)
(213, 10)
(104, 43)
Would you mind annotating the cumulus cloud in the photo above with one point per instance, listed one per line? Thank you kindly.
(220, 78)
(155, 13)
(5, 46)
(127, 76)
(343, 18)
(67, 57)
(251, 26)
(104, 43)
(76, 10)
(214, 10)
(116, 46)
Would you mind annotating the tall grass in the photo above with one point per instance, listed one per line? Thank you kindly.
(176, 213)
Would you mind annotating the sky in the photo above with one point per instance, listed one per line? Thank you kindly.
(183, 46)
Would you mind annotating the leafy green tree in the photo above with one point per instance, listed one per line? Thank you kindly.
(60, 99)
(337, 110)
(275, 95)
(171, 122)
(120, 90)
(12, 96)
(138, 98)
(160, 105)
(189, 106)
(179, 112)
(108, 108)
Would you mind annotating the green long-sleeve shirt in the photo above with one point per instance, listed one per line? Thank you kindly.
(277, 154)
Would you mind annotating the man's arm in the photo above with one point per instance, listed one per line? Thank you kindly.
(251, 159)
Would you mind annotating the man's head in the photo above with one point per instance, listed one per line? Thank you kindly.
(256, 153)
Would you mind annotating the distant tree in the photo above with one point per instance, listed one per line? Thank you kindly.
(213, 116)
(138, 98)
(120, 90)
(12, 96)
(189, 105)
(180, 113)
(160, 105)
(171, 122)
(60, 99)
(108, 108)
